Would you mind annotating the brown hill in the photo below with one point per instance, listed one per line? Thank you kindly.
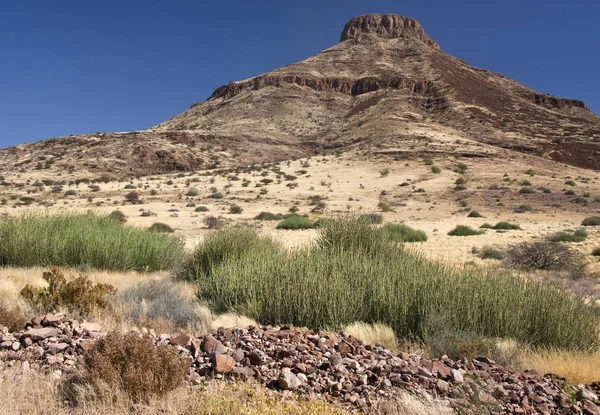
(387, 87)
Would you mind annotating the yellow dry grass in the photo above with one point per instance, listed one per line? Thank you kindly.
(35, 393)
(374, 334)
(575, 367)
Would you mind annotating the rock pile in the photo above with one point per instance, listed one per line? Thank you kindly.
(334, 366)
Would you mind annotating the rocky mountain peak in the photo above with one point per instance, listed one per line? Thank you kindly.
(387, 26)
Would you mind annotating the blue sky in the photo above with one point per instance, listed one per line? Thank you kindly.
(71, 67)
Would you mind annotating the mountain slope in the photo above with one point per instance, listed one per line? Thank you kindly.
(386, 87)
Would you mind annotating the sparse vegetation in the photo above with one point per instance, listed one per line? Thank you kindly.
(403, 233)
(160, 227)
(192, 192)
(462, 230)
(578, 236)
(117, 216)
(474, 214)
(201, 209)
(544, 255)
(490, 252)
(235, 209)
(436, 170)
(268, 216)
(591, 221)
(292, 222)
(526, 190)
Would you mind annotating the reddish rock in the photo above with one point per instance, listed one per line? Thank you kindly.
(222, 363)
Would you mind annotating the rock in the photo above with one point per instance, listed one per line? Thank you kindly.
(255, 359)
(16, 346)
(591, 409)
(457, 377)
(288, 381)
(55, 348)
(210, 344)
(443, 387)
(182, 339)
(86, 345)
(52, 320)
(244, 372)
(583, 393)
(41, 334)
(222, 363)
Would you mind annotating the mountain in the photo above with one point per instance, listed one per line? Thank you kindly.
(386, 87)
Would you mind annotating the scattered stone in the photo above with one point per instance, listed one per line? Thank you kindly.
(288, 381)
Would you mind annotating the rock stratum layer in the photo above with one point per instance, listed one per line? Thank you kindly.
(386, 84)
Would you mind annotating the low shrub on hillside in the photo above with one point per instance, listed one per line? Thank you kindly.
(544, 255)
(579, 235)
(201, 209)
(118, 216)
(160, 227)
(192, 192)
(235, 209)
(474, 214)
(79, 296)
(268, 216)
(591, 221)
(293, 222)
(490, 252)
(462, 230)
(132, 364)
(596, 252)
(310, 287)
(527, 190)
(502, 226)
(91, 240)
(436, 170)
(403, 233)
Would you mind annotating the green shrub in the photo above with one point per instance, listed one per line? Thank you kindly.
(70, 192)
(216, 195)
(403, 233)
(201, 209)
(460, 187)
(525, 183)
(132, 364)
(384, 206)
(526, 190)
(544, 255)
(460, 180)
(474, 214)
(580, 200)
(391, 285)
(596, 252)
(486, 226)
(192, 192)
(322, 222)
(160, 227)
(295, 221)
(570, 193)
(523, 209)
(79, 296)
(231, 245)
(130, 186)
(385, 172)
(461, 168)
(570, 183)
(591, 221)
(462, 230)
(506, 226)
(436, 170)
(117, 216)
(91, 240)
(212, 222)
(268, 216)
(578, 236)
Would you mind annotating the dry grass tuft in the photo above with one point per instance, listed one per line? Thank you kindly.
(232, 320)
(576, 367)
(374, 334)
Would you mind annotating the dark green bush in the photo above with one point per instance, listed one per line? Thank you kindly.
(591, 221)
(474, 214)
(578, 236)
(117, 216)
(403, 233)
(201, 209)
(526, 190)
(160, 227)
(295, 222)
(268, 216)
(462, 230)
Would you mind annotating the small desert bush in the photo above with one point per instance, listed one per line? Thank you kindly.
(216, 195)
(201, 209)
(460, 180)
(393, 286)
(596, 252)
(130, 186)
(490, 252)
(78, 296)
(462, 230)
(322, 222)
(192, 192)
(85, 239)
(228, 245)
(403, 233)
(235, 209)
(570, 183)
(570, 192)
(212, 222)
(163, 299)
(474, 214)
(461, 168)
(436, 170)
(384, 206)
(579, 235)
(591, 221)
(544, 255)
(118, 216)
(268, 216)
(132, 197)
(132, 364)
(527, 190)
(160, 227)
(13, 317)
(505, 226)
(293, 222)
(523, 209)
(384, 172)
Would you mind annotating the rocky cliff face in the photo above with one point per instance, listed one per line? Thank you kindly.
(387, 26)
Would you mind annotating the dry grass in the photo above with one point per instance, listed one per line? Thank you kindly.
(37, 394)
(374, 334)
(231, 320)
(575, 367)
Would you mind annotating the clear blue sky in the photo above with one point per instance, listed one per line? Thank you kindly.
(70, 67)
